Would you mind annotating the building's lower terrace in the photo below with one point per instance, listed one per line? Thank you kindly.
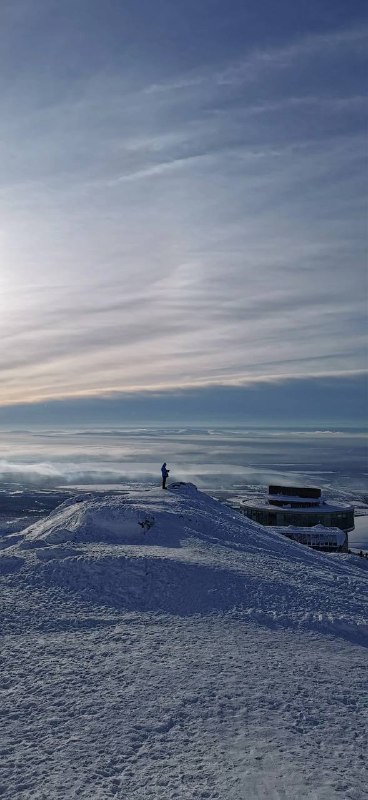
(319, 538)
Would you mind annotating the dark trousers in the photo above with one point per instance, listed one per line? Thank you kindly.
(164, 482)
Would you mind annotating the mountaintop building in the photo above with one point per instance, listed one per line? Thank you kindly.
(303, 508)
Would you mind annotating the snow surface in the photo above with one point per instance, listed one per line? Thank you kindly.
(161, 646)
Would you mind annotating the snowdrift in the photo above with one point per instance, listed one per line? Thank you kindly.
(182, 552)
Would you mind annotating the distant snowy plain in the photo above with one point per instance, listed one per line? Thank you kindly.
(159, 646)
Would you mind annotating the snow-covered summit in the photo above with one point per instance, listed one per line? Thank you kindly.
(159, 645)
(181, 551)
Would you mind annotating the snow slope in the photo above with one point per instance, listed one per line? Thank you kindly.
(160, 645)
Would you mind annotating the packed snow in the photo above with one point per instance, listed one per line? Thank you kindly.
(161, 646)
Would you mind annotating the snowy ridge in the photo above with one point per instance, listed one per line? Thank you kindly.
(160, 646)
(184, 553)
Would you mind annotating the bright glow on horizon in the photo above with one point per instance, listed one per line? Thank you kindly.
(111, 393)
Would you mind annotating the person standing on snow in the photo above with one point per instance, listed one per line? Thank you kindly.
(165, 474)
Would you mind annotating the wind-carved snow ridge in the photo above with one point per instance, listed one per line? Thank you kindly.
(182, 552)
(160, 646)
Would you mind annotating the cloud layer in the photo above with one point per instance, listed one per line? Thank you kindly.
(222, 457)
(174, 221)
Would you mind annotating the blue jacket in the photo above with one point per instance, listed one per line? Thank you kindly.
(164, 471)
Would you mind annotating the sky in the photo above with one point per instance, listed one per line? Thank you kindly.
(183, 198)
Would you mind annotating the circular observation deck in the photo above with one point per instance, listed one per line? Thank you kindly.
(300, 507)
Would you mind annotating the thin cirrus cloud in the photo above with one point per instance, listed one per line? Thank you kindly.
(168, 227)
